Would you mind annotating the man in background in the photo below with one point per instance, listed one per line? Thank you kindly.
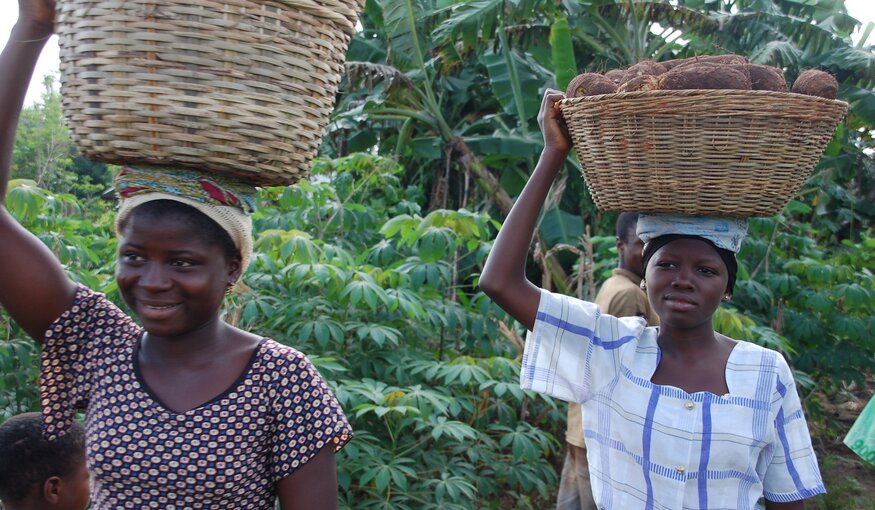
(620, 296)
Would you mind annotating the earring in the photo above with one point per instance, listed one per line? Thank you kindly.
(229, 289)
(643, 284)
(727, 297)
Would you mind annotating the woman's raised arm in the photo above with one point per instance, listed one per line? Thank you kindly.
(504, 275)
(33, 286)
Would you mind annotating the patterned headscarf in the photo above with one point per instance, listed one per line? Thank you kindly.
(226, 201)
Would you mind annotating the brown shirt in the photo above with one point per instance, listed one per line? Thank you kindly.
(620, 296)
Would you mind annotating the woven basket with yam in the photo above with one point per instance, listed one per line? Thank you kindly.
(699, 152)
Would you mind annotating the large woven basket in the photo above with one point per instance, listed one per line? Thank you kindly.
(699, 152)
(241, 87)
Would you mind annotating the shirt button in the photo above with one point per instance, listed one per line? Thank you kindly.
(689, 405)
(681, 470)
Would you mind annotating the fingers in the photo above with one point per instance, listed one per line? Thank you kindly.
(550, 104)
(552, 98)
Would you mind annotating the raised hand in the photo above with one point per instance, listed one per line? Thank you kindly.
(552, 123)
(39, 14)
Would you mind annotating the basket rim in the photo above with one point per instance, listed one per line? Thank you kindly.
(704, 93)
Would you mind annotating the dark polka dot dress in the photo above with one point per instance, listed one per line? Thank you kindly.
(228, 453)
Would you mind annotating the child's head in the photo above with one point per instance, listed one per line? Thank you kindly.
(36, 473)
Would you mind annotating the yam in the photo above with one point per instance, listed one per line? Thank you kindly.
(730, 59)
(616, 75)
(643, 68)
(706, 76)
(590, 84)
(640, 83)
(816, 83)
(764, 77)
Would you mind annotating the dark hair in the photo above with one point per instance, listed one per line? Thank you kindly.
(204, 227)
(727, 256)
(626, 221)
(27, 459)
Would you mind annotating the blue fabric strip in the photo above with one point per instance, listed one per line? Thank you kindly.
(782, 435)
(796, 496)
(648, 436)
(704, 455)
(583, 331)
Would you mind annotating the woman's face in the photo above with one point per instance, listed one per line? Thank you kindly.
(171, 278)
(686, 281)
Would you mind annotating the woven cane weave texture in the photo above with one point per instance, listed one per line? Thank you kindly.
(242, 87)
(699, 152)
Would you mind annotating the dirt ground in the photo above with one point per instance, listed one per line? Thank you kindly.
(850, 482)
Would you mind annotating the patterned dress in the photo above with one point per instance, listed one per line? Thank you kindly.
(654, 446)
(228, 453)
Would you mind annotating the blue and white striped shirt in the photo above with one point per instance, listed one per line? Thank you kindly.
(652, 446)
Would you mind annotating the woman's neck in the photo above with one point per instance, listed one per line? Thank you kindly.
(191, 346)
(687, 341)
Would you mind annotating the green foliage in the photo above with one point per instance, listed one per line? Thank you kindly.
(821, 300)
(563, 52)
(43, 149)
(386, 295)
(19, 359)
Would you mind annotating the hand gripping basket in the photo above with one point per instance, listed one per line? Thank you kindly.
(240, 87)
(699, 152)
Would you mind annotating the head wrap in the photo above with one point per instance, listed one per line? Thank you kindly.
(725, 235)
(227, 201)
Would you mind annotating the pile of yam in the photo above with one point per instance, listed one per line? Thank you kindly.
(703, 72)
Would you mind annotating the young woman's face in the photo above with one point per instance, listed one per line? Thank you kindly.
(171, 278)
(686, 280)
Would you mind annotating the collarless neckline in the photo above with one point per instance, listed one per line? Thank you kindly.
(138, 374)
(726, 372)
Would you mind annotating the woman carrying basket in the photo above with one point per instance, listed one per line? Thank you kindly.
(675, 416)
(185, 411)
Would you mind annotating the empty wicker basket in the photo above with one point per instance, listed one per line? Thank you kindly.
(699, 152)
(241, 87)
